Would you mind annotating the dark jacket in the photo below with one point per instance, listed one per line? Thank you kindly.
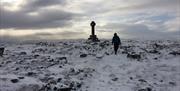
(116, 40)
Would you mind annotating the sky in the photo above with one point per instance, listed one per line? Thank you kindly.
(70, 19)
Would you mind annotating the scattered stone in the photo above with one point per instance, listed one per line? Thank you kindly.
(14, 80)
(55, 88)
(61, 58)
(154, 51)
(172, 83)
(175, 53)
(30, 73)
(35, 56)
(99, 56)
(149, 89)
(65, 89)
(142, 80)
(83, 55)
(115, 79)
(21, 77)
(79, 85)
(17, 68)
(155, 58)
(106, 53)
(134, 56)
(124, 52)
(146, 89)
(72, 70)
(161, 80)
(154, 74)
(22, 53)
(59, 79)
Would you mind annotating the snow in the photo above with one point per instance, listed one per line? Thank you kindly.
(52, 65)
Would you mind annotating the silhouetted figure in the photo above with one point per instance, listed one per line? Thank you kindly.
(116, 41)
(93, 37)
(1, 51)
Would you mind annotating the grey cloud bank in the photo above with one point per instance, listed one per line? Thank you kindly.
(132, 18)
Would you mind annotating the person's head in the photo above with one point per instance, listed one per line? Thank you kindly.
(115, 34)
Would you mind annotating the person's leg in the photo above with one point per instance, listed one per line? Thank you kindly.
(115, 48)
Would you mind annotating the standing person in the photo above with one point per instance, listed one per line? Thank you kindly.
(116, 41)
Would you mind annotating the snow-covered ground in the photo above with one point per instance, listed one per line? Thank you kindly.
(79, 65)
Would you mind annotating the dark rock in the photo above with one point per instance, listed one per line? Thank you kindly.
(21, 77)
(55, 88)
(142, 90)
(161, 80)
(131, 78)
(72, 70)
(146, 89)
(155, 58)
(79, 85)
(85, 75)
(106, 53)
(83, 55)
(59, 79)
(64, 89)
(154, 74)
(17, 69)
(46, 79)
(115, 79)
(14, 80)
(134, 56)
(35, 56)
(23, 53)
(51, 60)
(81, 79)
(175, 53)
(1, 51)
(124, 52)
(62, 58)
(142, 80)
(149, 89)
(154, 51)
(30, 73)
(172, 83)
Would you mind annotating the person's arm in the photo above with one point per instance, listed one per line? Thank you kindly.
(112, 40)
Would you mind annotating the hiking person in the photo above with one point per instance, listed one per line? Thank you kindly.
(116, 41)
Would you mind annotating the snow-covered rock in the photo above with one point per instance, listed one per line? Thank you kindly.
(80, 65)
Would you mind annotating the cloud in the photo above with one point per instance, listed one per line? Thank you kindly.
(34, 5)
(135, 18)
(43, 36)
(140, 31)
(46, 18)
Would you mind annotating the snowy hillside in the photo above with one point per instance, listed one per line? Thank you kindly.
(79, 65)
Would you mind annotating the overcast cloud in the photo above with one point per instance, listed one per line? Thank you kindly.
(68, 18)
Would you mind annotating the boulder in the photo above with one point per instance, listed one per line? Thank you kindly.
(83, 55)
(134, 56)
(31, 74)
(14, 80)
(175, 53)
(23, 53)
(99, 56)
